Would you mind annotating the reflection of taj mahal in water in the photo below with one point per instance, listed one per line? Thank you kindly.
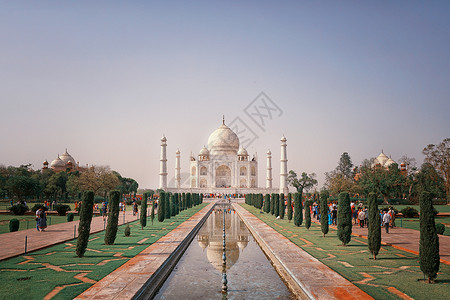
(210, 237)
(224, 167)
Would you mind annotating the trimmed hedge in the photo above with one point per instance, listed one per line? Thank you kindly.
(113, 218)
(14, 225)
(84, 226)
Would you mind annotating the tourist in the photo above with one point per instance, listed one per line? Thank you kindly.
(42, 219)
(334, 215)
(386, 221)
(366, 212)
(361, 218)
(38, 212)
(135, 208)
(104, 210)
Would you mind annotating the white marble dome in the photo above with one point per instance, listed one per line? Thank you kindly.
(58, 163)
(204, 151)
(223, 141)
(66, 157)
(242, 152)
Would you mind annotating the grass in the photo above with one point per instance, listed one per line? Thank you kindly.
(27, 222)
(393, 269)
(439, 208)
(37, 274)
(413, 223)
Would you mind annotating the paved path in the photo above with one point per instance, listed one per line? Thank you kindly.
(404, 239)
(13, 243)
(305, 275)
(126, 281)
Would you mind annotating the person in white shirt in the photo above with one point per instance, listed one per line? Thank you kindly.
(386, 221)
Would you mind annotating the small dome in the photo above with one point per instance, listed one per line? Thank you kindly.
(389, 162)
(380, 160)
(204, 151)
(242, 152)
(178, 151)
(45, 163)
(66, 157)
(283, 139)
(58, 163)
(223, 141)
(163, 139)
(268, 152)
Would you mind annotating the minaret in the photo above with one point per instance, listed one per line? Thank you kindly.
(269, 170)
(163, 164)
(283, 168)
(177, 170)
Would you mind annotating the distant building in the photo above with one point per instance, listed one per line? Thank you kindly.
(382, 161)
(64, 162)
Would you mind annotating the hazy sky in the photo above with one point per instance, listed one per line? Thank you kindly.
(106, 79)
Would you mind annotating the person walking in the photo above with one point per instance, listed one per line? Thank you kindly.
(38, 213)
(42, 219)
(361, 218)
(386, 221)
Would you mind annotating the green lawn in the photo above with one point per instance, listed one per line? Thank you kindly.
(413, 223)
(439, 208)
(28, 221)
(37, 274)
(393, 269)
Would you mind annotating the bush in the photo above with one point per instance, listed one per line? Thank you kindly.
(143, 216)
(429, 241)
(289, 203)
(161, 206)
(344, 222)
(14, 225)
(298, 213)
(374, 230)
(36, 207)
(85, 222)
(409, 212)
(127, 231)
(440, 228)
(267, 203)
(308, 214)
(324, 212)
(62, 209)
(70, 217)
(113, 218)
(19, 209)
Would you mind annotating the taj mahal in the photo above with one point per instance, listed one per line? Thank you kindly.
(224, 166)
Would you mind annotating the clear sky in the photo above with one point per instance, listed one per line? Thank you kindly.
(106, 79)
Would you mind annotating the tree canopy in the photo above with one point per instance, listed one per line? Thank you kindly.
(305, 182)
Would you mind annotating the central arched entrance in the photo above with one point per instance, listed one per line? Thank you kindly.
(223, 177)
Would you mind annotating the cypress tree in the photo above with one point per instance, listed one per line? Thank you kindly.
(429, 241)
(276, 205)
(282, 207)
(272, 204)
(308, 214)
(289, 203)
(201, 198)
(266, 203)
(344, 221)
(261, 201)
(113, 218)
(167, 205)
(188, 200)
(152, 215)
(183, 200)
(84, 227)
(324, 212)
(172, 205)
(298, 214)
(161, 206)
(177, 203)
(143, 217)
(374, 230)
